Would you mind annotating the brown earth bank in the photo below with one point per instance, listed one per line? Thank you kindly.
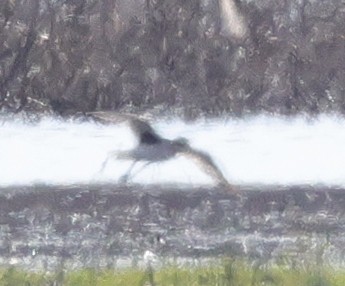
(45, 227)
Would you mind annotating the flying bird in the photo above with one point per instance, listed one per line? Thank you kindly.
(153, 148)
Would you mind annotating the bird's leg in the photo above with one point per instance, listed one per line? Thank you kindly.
(142, 168)
(111, 155)
(124, 178)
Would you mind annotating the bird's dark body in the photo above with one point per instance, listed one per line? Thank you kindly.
(149, 139)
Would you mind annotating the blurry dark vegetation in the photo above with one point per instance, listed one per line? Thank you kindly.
(197, 57)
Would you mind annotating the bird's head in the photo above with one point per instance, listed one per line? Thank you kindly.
(181, 142)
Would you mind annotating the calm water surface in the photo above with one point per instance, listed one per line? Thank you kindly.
(264, 150)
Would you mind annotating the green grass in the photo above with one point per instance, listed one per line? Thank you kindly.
(228, 273)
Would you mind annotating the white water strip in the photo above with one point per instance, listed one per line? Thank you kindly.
(260, 150)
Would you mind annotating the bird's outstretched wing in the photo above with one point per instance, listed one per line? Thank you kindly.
(141, 128)
(206, 163)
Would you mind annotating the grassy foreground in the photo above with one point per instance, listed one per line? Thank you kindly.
(228, 273)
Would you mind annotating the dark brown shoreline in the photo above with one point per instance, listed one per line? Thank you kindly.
(93, 225)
